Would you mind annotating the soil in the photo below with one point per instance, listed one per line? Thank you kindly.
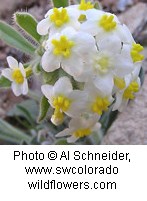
(130, 126)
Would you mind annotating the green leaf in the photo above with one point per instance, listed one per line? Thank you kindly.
(62, 142)
(14, 39)
(4, 82)
(97, 5)
(50, 78)
(60, 3)
(10, 134)
(28, 23)
(141, 75)
(107, 119)
(44, 106)
(27, 109)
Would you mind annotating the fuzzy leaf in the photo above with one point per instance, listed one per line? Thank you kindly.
(44, 106)
(14, 39)
(107, 119)
(28, 23)
(141, 75)
(10, 134)
(4, 82)
(60, 3)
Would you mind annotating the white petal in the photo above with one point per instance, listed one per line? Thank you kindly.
(73, 65)
(7, 73)
(62, 86)
(43, 26)
(90, 27)
(118, 101)
(47, 90)
(78, 104)
(104, 84)
(16, 89)
(125, 34)
(123, 66)
(85, 44)
(24, 87)
(109, 43)
(72, 139)
(69, 31)
(63, 133)
(13, 63)
(22, 69)
(123, 105)
(50, 62)
(94, 14)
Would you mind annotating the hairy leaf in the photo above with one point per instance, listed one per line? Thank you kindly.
(28, 23)
(14, 39)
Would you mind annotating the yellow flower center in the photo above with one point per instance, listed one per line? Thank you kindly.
(103, 63)
(119, 83)
(63, 46)
(130, 90)
(59, 17)
(82, 18)
(85, 5)
(135, 52)
(82, 132)
(100, 105)
(61, 103)
(17, 76)
(107, 22)
(57, 117)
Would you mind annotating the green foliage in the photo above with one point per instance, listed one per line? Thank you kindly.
(107, 119)
(44, 106)
(4, 82)
(141, 75)
(60, 3)
(27, 109)
(50, 78)
(10, 134)
(14, 39)
(28, 23)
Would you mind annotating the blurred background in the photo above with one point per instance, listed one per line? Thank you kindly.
(130, 126)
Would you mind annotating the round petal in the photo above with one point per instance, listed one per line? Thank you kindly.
(22, 69)
(73, 65)
(78, 105)
(50, 62)
(104, 83)
(43, 26)
(13, 63)
(109, 43)
(62, 86)
(16, 89)
(7, 73)
(47, 90)
(72, 139)
(90, 27)
(24, 87)
(63, 133)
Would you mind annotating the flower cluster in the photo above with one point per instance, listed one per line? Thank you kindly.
(94, 50)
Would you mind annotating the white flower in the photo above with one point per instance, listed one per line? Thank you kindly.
(64, 99)
(100, 23)
(97, 101)
(68, 50)
(17, 75)
(111, 60)
(126, 93)
(57, 19)
(80, 127)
